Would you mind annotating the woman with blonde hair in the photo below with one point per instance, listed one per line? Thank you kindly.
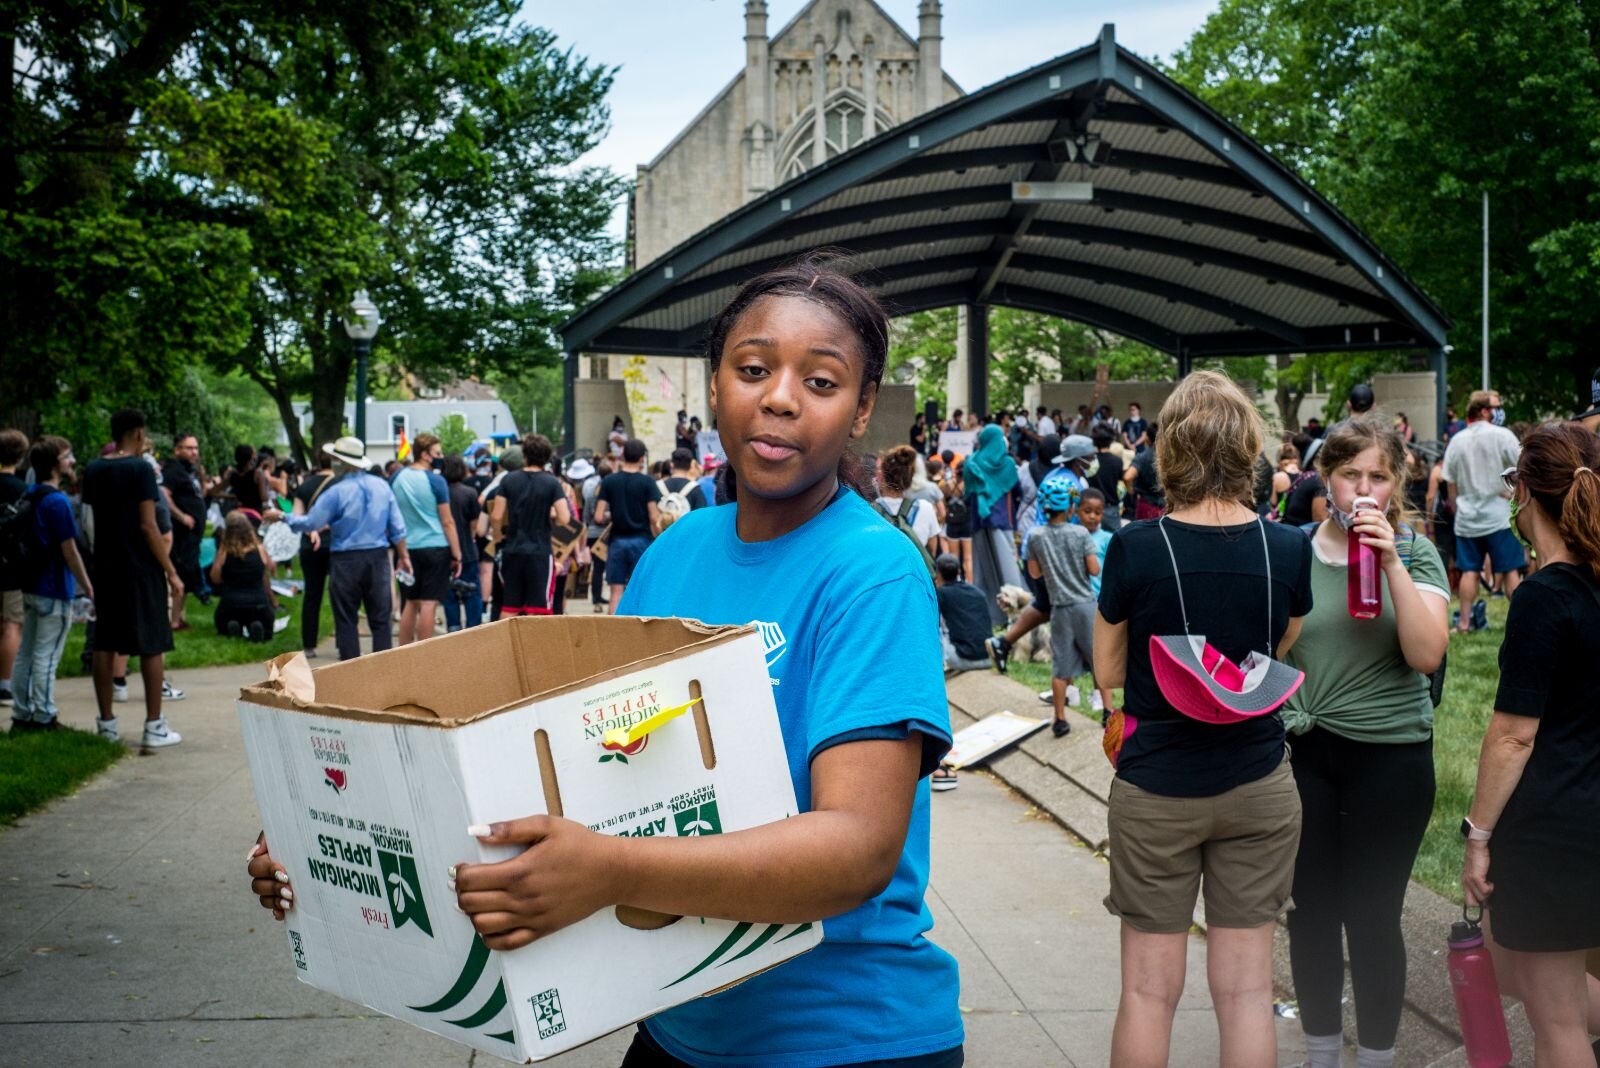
(1533, 834)
(242, 576)
(1200, 802)
(1363, 746)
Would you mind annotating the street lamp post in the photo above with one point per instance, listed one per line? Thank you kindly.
(361, 322)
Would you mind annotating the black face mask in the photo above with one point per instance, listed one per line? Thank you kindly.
(437, 463)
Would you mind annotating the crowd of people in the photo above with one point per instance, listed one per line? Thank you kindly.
(1271, 750)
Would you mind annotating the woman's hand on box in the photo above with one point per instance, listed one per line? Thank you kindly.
(566, 874)
(268, 880)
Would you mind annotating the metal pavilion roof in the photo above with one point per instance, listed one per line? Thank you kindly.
(1192, 238)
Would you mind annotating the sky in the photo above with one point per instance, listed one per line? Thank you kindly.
(675, 55)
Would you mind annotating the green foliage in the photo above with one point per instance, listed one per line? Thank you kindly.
(1403, 113)
(211, 183)
(1024, 347)
(536, 389)
(454, 435)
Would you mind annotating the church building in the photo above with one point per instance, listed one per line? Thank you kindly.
(839, 73)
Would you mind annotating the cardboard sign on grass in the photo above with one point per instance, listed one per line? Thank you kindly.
(369, 772)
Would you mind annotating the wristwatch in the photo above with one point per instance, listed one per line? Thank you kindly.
(1472, 832)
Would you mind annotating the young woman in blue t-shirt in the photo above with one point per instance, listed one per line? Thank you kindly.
(851, 630)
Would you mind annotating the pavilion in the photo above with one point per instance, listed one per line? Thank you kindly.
(1091, 187)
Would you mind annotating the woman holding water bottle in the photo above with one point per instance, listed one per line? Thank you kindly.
(1362, 740)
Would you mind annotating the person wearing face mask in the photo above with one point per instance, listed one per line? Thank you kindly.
(1532, 853)
(1362, 750)
(1472, 467)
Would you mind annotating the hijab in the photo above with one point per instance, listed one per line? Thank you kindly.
(989, 472)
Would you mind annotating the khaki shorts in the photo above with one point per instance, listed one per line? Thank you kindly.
(11, 607)
(1243, 842)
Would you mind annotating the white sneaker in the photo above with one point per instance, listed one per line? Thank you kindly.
(107, 729)
(1095, 703)
(119, 692)
(170, 692)
(1046, 697)
(1073, 696)
(157, 734)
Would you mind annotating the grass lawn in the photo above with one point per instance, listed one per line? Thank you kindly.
(1459, 723)
(36, 767)
(202, 646)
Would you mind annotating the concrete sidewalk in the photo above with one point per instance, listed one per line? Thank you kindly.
(127, 933)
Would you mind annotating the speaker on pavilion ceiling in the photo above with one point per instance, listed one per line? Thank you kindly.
(930, 410)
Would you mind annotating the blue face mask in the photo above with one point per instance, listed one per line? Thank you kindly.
(1498, 415)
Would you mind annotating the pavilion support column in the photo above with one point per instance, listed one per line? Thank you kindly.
(569, 401)
(1185, 362)
(977, 338)
(1439, 363)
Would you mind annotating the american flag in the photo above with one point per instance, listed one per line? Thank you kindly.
(667, 389)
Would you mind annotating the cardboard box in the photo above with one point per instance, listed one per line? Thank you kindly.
(368, 773)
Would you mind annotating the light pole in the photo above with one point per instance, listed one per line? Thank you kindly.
(361, 322)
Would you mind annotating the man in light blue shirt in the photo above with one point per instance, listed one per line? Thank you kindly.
(435, 546)
(364, 522)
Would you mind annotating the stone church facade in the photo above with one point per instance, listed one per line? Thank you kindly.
(839, 73)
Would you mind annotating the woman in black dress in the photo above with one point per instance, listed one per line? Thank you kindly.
(1533, 834)
(242, 575)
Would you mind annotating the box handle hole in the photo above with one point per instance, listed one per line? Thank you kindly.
(547, 773)
(702, 727)
(644, 919)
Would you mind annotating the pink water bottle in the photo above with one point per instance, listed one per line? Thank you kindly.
(1366, 576)
(1483, 1021)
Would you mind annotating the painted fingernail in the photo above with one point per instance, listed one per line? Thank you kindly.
(450, 873)
(285, 903)
(255, 851)
(281, 875)
(479, 830)
(286, 894)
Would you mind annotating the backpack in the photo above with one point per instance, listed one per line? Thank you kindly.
(22, 553)
(904, 521)
(674, 504)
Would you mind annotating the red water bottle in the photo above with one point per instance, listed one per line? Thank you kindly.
(1366, 576)
(1483, 1021)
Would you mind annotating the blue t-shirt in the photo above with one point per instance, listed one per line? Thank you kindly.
(851, 628)
(420, 493)
(1102, 539)
(52, 517)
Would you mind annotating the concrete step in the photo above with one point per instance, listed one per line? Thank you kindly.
(1070, 779)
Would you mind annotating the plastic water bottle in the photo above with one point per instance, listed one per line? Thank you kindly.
(1483, 1021)
(1366, 577)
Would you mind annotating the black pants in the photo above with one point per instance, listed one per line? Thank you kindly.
(1364, 809)
(186, 560)
(359, 578)
(314, 567)
(597, 579)
(646, 1052)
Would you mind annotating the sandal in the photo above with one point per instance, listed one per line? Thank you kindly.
(943, 778)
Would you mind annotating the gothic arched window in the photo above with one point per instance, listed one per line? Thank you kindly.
(844, 126)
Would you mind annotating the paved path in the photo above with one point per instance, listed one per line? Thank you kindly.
(127, 934)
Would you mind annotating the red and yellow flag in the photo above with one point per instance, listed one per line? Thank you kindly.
(404, 448)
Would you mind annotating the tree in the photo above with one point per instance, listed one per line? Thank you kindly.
(453, 195)
(1404, 113)
(1024, 348)
(189, 183)
(455, 436)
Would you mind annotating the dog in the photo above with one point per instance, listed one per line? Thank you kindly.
(1034, 646)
